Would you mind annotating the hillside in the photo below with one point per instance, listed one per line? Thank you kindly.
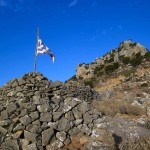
(119, 62)
(106, 106)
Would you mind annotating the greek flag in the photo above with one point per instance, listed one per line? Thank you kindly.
(42, 49)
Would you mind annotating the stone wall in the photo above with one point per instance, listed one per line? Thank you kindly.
(38, 114)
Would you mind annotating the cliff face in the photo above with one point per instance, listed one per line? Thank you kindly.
(125, 49)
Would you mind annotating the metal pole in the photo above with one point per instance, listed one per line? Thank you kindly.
(38, 32)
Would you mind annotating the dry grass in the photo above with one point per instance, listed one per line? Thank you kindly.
(113, 107)
(142, 143)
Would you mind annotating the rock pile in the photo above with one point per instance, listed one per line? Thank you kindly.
(38, 114)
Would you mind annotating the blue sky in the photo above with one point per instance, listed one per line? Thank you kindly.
(76, 31)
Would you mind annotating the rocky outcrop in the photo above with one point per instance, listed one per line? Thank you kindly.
(125, 49)
(39, 114)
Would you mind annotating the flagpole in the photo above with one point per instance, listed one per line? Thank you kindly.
(38, 32)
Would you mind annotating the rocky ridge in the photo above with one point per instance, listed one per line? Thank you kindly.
(125, 49)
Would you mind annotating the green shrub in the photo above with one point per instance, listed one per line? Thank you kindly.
(116, 65)
(144, 85)
(86, 66)
(88, 82)
(80, 78)
(74, 78)
(111, 68)
(111, 59)
(100, 73)
(147, 56)
(132, 44)
(80, 65)
(128, 73)
(98, 69)
(126, 60)
(136, 60)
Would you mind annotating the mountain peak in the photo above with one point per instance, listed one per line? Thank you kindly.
(126, 51)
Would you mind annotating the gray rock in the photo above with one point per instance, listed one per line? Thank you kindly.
(11, 107)
(24, 143)
(36, 99)
(84, 107)
(20, 94)
(34, 115)
(3, 130)
(18, 127)
(57, 115)
(56, 144)
(56, 84)
(61, 136)
(97, 145)
(17, 135)
(85, 129)
(23, 112)
(74, 131)
(18, 89)
(31, 146)
(78, 121)
(25, 120)
(76, 113)
(63, 125)
(33, 128)
(21, 81)
(53, 125)
(5, 122)
(12, 144)
(87, 118)
(36, 122)
(67, 141)
(30, 136)
(69, 116)
(1, 107)
(44, 125)
(44, 108)
(46, 117)
(4, 114)
(47, 136)
(14, 84)
(69, 103)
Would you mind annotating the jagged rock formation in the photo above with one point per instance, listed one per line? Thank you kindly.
(125, 49)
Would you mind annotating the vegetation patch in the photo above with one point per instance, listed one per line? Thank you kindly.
(128, 73)
(86, 66)
(111, 68)
(126, 60)
(73, 78)
(99, 70)
(132, 44)
(89, 82)
(147, 56)
(111, 108)
(136, 60)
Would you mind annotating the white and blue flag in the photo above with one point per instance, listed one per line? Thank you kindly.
(43, 49)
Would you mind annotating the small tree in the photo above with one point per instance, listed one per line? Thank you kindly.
(126, 60)
(147, 56)
(136, 60)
